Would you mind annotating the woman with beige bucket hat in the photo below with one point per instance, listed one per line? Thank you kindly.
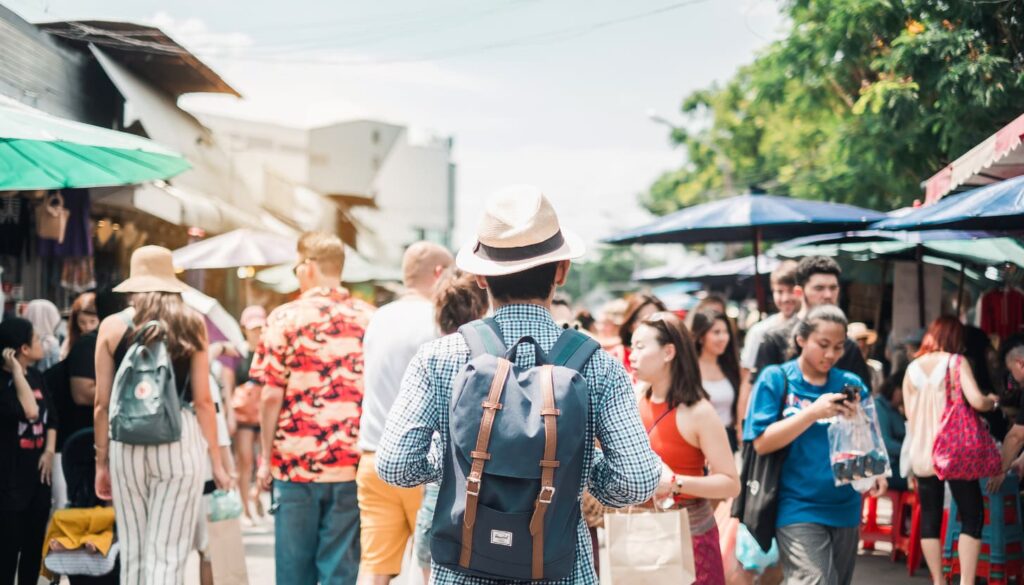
(157, 489)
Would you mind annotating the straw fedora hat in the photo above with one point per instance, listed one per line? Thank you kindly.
(858, 330)
(152, 270)
(519, 231)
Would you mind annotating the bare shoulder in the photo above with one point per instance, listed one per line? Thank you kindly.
(111, 331)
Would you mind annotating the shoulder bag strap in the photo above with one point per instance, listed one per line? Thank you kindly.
(948, 382)
(480, 456)
(547, 473)
(659, 419)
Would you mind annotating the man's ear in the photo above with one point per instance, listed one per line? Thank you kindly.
(562, 272)
(798, 291)
(481, 281)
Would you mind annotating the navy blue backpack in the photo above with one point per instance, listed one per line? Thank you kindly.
(509, 504)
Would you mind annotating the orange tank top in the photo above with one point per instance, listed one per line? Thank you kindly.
(681, 457)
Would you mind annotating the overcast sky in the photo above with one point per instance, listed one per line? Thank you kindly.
(551, 92)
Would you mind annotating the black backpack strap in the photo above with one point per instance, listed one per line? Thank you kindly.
(573, 350)
(483, 337)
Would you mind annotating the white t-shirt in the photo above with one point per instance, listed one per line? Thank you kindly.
(755, 335)
(396, 331)
(721, 394)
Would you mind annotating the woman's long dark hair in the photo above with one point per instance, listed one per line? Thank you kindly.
(729, 361)
(186, 331)
(686, 387)
(632, 314)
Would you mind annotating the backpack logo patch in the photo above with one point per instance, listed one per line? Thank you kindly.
(501, 538)
(143, 390)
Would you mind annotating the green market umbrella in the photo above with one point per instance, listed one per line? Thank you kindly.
(40, 151)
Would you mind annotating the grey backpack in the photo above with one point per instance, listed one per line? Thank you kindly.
(509, 504)
(145, 408)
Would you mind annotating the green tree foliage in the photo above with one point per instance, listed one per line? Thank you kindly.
(860, 102)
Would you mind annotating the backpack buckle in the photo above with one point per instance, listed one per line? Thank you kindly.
(472, 482)
(548, 492)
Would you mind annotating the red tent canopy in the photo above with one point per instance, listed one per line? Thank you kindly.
(998, 157)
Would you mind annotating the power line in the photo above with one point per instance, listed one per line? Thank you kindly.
(554, 36)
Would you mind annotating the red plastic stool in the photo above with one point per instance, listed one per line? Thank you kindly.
(870, 530)
(906, 536)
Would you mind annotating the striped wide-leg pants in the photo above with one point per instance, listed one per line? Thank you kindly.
(157, 491)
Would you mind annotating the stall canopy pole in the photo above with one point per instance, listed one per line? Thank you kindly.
(758, 285)
(960, 292)
(881, 294)
(920, 287)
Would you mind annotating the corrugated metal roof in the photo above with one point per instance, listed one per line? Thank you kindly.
(148, 52)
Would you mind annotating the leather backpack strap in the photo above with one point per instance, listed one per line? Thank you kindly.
(547, 473)
(480, 456)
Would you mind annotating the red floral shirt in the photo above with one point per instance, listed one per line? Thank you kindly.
(312, 349)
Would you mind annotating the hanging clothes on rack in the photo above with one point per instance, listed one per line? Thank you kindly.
(1001, 311)
(15, 225)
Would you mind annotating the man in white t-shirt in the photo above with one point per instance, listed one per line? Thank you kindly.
(783, 283)
(387, 514)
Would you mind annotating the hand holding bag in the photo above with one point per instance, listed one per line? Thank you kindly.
(963, 448)
(757, 504)
(52, 218)
(650, 546)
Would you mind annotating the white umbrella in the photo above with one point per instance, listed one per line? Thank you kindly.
(219, 316)
(281, 279)
(242, 247)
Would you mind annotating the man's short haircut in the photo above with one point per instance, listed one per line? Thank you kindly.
(785, 274)
(1013, 346)
(533, 283)
(325, 249)
(812, 265)
(420, 260)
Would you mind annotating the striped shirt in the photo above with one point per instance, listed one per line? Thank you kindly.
(625, 472)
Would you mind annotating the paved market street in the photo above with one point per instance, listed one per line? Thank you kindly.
(873, 568)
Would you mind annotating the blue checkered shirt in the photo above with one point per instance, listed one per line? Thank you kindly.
(624, 472)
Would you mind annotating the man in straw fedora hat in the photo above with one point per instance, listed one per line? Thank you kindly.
(520, 255)
(310, 364)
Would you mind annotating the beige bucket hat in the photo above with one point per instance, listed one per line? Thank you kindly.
(152, 270)
(519, 231)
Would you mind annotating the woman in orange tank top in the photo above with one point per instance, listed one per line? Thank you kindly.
(685, 432)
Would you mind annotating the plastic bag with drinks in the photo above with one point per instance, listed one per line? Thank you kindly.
(856, 449)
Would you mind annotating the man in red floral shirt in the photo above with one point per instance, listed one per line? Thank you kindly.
(310, 362)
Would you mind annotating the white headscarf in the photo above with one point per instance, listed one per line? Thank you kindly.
(45, 318)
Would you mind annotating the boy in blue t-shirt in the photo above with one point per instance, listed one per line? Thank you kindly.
(817, 521)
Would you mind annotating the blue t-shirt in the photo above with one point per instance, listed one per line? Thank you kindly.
(807, 490)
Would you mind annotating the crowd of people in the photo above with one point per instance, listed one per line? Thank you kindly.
(343, 412)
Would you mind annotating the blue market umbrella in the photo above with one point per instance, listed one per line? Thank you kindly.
(999, 206)
(750, 217)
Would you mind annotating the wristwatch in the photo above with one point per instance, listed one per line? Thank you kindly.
(677, 482)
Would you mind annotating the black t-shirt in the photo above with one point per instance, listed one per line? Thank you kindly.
(80, 363)
(242, 371)
(775, 347)
(22, 442)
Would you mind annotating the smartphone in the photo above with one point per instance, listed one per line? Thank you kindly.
(850, 393)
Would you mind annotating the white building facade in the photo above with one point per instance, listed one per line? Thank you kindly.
(390, 188)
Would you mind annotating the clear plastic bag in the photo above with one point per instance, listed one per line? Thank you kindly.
(856, 448)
